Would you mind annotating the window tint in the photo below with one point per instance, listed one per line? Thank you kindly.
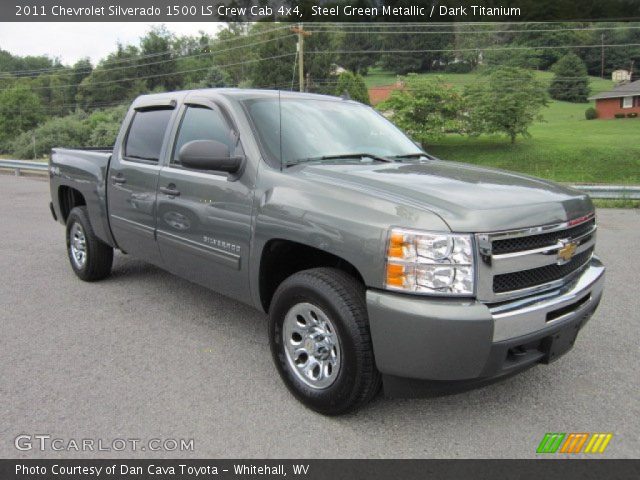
(202, 124)
(146, 133)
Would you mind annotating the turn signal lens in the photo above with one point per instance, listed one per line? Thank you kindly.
(430, 263)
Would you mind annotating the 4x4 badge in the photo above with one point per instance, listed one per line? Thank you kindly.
(567, 251)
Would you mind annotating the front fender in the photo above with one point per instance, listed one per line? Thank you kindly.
(348, 224)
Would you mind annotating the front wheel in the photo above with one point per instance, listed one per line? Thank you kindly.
(320, 340)
(90, 257)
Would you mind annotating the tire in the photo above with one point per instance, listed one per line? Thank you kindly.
(97, 257)
(331, 302)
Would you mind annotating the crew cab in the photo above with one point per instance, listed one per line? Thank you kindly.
(377, 263)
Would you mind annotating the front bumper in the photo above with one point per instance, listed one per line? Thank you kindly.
(450, 340)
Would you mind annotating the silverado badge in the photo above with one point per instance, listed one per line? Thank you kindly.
(567, 251)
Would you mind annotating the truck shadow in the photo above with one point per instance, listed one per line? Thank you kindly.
(228, 318)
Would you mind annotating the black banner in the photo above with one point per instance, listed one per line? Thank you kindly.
(316, 10)
(319, 469)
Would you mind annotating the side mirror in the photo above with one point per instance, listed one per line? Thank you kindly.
(208, 155)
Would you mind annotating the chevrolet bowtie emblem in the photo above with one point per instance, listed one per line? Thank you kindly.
(567, 251)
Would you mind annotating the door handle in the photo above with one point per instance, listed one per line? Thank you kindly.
(118, 178)
(170, 190)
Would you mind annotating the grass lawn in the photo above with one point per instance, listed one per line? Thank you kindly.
(6, 156)
(565, 147)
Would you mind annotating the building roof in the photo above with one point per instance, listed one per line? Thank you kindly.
(624, 90)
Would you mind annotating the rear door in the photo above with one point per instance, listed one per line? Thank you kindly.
(204, 217)
(133, 181)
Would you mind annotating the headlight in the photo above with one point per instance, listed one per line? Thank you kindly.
(430, 263)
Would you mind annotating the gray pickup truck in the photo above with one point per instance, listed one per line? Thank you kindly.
(377, 263)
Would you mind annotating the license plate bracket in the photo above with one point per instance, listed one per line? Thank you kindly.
(556, 345)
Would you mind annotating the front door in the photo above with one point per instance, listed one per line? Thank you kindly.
(133, 181)
(204, 217)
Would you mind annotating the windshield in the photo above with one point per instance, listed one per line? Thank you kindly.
(312, 129)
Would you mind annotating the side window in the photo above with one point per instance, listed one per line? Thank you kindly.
(146, 133)
(201, 123)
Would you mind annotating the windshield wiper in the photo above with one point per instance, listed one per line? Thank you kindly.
(415, 155)
(339, 157)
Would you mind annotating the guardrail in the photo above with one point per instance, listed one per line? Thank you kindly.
(18, 165)
(616, 192)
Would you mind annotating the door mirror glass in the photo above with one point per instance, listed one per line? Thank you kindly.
(208, 155)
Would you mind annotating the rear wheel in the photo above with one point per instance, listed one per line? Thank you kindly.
(320, 340)
(90, 257)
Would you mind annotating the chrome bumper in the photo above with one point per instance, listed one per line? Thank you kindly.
(536, 313)
(460, 339)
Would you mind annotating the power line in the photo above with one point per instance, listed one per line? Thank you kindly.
(159, 75)
(324, 52)
(448, 24)
(487, 49)
(173, 59)
(352, 29)
(407, 32)
(156, 54)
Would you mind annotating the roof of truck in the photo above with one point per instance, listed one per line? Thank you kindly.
(170, 98)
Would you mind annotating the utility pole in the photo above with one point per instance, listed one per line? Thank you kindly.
(602, 55)
(301, 34)
(631, 70)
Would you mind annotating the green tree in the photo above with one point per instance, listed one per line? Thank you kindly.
(619, 57)
(28, 65)
(113, 80)
(546, 44)
(353, 84)
(318, 63)
(55, 91)
(104, 125)
(514, 57)
(508, 100)
(427, 108)
(272, 63)
(471, 41)
(20, 110)
(215, 78)
(80, 70)
(425, 51)
(68, 131)
(158, 63)
(229, 50)
(192, 57)
(358, 40)
(570, 82)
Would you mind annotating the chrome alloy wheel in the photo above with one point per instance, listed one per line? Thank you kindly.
(311, 345)
(78, 245)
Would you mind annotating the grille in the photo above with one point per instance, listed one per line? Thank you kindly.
(507, 282)
(518, 244)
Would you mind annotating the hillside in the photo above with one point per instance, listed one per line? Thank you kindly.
(565, 147)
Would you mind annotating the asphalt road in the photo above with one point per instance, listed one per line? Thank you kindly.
(147, 355)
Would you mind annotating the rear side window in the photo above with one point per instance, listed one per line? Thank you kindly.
(201, 123)
(146, 134)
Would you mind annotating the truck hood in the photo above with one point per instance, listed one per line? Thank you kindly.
(466, 197)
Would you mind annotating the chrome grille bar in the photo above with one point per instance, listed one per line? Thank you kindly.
(490, 264)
